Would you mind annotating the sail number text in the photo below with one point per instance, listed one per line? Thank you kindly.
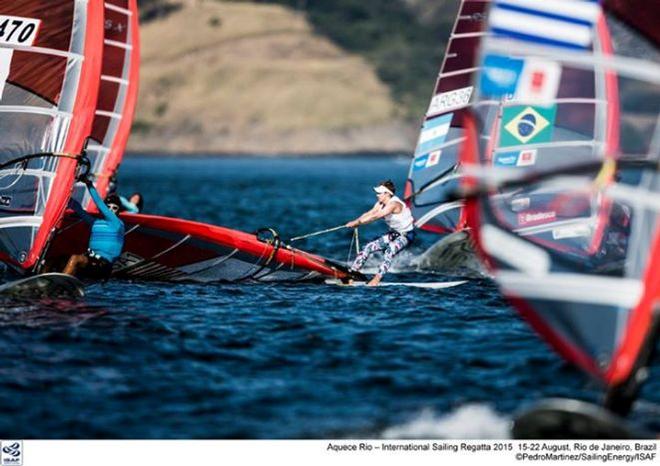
(15, 30)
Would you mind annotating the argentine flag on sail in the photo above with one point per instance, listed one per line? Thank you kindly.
(433, 134)
(560, 23)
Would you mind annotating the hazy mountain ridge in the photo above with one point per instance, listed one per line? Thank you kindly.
(258, 77)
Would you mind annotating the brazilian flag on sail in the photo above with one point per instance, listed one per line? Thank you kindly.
(526, 124)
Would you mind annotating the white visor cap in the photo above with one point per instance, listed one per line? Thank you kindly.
(382, 190)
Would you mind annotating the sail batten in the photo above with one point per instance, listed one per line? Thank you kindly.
(118, 9)
(35, 111)
(45, 51)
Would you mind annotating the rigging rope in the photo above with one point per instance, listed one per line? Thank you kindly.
(316, 233)
(355, 239)
(277, 243)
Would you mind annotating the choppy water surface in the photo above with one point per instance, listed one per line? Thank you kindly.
(276, 361)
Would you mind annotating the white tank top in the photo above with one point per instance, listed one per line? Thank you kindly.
(402, 222)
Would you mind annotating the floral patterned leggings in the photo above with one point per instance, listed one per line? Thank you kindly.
(391, 247)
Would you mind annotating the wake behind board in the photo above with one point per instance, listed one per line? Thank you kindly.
(573, 419)
(47, 285)
(428, 285)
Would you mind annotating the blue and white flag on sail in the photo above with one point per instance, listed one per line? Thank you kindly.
(433, 135)
(560, 23)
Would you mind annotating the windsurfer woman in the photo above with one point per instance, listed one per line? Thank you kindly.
(401, 232)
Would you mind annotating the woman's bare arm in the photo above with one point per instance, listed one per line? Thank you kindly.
(374, 214)
(361, 219)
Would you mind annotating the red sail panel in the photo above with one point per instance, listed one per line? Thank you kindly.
(50, 61)
(642, 15)
(434, 170)
(117, 95)
(124, 130)
(54, 32)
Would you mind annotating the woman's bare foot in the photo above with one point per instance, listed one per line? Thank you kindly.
(375, 281)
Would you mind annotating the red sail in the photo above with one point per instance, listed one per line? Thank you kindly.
(117, 95)
(50, 62)
(574, 242)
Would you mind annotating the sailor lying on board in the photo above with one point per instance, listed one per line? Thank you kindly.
(132, 205)
(400, 221)
(106, 239)
(611, 257)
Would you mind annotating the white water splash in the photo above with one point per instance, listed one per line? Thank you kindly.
(451, 254)
(472, 421)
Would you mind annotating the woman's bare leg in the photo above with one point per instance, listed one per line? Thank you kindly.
(75, 263)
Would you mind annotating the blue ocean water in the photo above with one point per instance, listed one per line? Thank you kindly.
(157, 360)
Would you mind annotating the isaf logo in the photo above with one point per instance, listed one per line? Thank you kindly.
(12, 453)
(13, 450)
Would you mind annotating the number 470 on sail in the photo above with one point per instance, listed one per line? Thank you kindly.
(16, 30)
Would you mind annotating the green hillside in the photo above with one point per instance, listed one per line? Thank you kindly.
(403, 39)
